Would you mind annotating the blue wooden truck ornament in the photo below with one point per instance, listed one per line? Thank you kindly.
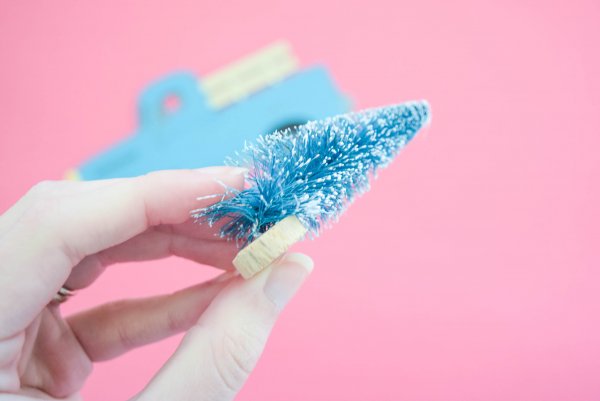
(186, 123)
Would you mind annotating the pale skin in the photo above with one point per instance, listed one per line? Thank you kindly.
(68, 233)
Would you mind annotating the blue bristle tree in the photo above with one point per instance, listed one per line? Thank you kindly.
(308, 175)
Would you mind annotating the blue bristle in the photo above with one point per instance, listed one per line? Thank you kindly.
(313, 171)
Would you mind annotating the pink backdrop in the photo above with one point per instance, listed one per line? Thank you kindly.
(469, 272)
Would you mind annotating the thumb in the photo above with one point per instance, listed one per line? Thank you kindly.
(216, 356)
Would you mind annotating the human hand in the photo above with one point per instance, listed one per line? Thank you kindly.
(67, 233)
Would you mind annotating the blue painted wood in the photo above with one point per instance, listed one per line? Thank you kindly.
(193, 135)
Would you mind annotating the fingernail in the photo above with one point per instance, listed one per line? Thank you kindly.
(228, 275)
(286, 277)
(223, 170)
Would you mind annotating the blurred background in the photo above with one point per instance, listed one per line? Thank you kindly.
(469, 272)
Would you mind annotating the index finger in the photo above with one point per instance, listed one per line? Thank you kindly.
(61, 227)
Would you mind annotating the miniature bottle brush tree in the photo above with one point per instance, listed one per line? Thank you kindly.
(303, 178)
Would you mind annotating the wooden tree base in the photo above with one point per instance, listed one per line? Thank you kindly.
(269, 247)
